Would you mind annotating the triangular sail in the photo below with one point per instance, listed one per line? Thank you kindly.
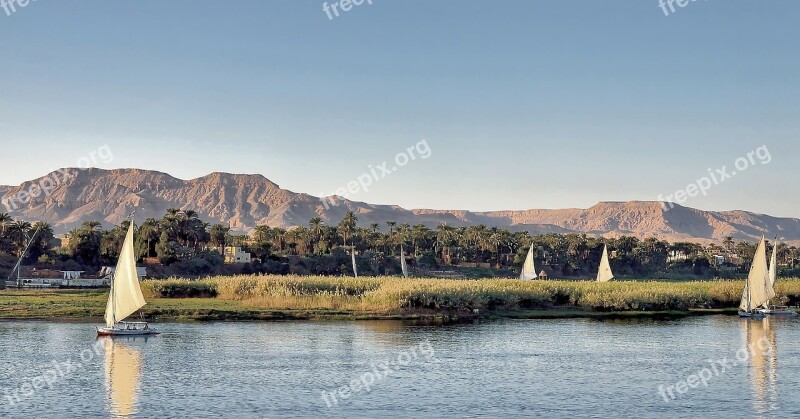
(403, 265)
(528, 268)
(604, 274)
(758, 289)
(773, 265)
(126, 296)
(353, 254)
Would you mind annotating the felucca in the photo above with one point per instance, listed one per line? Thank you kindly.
(125, 296)
(528, 268)
(758, 289)
(403, 264)
(604, 274)
(773, 276)
(353, 256)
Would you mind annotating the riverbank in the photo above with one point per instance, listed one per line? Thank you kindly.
(371, 298)
(81, 305)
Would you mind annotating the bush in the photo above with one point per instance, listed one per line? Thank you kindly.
(179, 288)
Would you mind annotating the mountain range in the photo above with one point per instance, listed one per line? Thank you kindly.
(68, 197)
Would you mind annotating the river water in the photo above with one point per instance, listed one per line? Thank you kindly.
(715, 366)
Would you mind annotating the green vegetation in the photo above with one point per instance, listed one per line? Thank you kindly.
(181, 244)
(393, 294)
(296, 297)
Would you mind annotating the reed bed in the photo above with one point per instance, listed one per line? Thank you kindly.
(388, 294)
(180, 288)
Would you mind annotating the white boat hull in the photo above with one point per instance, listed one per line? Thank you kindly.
(777, 311)
(124, 331)
(751, 314)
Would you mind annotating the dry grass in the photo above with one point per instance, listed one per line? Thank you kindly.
(385, 294)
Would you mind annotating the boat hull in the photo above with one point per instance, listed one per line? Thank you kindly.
(777, 311)
(113, 331)
(751, 314)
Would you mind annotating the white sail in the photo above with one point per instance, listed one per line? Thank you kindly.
(403, 265)
(773, 265)
(758, 289)
(604, 274)
(126, 296)
(353, 254)
(528, 268)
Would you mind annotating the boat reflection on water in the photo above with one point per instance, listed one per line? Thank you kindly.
(123, 365)
(763, 363)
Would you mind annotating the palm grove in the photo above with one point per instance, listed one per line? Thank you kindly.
(186, 245)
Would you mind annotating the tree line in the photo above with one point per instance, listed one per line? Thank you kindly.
(181, 239)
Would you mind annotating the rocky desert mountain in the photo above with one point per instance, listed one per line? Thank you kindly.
(244, 201)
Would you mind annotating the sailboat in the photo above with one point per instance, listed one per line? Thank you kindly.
(757, 290)
(403, 264)
(604, 274)
(528, 268)
(773, 276)
(125, 296)
(353, 254)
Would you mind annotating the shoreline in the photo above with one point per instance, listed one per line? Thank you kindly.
(87, 307)
(424, 300)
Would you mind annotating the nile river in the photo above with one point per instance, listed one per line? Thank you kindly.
(692, 367)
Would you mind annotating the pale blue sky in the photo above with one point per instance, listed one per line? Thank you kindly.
(525, 104)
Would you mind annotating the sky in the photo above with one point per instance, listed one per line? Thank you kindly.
(521, 103)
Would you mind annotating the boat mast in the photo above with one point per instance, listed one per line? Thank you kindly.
(749, 308)
(113, 302)
(19, 262)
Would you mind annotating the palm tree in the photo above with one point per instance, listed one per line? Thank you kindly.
(729, 243)
(347, 226)
(217, 235)
(391, 225)
(149, 231)
(418, 234)
(298, 239)
(18, 234)
(43, 242)
(316, 227)
(444, 239)
(261, 233)
(279, 238)
(90, 226)
(5, 220)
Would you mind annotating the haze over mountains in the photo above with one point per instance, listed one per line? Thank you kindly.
(244, 201)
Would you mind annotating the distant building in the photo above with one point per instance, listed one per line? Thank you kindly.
(235, 254)
(677, 256)
(71, 274)
(718, 260)
(63, 240)
(107, 272)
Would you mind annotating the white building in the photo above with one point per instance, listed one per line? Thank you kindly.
(236, 255)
